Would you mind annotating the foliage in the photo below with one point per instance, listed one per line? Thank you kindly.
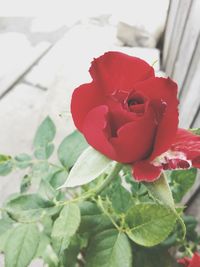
(101, 223)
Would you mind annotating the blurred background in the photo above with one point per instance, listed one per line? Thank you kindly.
(46, 52)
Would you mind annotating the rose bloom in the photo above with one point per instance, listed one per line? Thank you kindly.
(131, 116)
(194, 262)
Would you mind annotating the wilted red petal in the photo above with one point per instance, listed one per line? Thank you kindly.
(196, 162)
(189, 144)
(84, 98)
(184, 261)
(190, 262)
(134, 140)
(96, 130)
(145, 171)
(165, 90)
(114, 71)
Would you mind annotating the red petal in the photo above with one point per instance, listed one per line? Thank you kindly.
(189, 144)
(84, 98)
(135, 139)
(119, 117)
(195, 260)
(115, 70)
(184, 261)
(145, 171)
(96, 130)
(165, 90)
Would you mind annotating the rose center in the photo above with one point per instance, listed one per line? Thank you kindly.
(136, 103)
(137, 100)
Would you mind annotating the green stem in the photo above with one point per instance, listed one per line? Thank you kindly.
(182, 224)
(113, 173)
(190, 253)
(100, 204)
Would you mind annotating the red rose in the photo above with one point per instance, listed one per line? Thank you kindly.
(126, 112)
(194, 262)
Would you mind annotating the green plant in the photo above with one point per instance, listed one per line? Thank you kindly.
(109, 220)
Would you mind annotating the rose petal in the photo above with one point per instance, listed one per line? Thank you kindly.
(84, 98)
(184, 261)
(145, 171)
(119, 117)
(195, 260)
(189, 144)
(166, 91)
(190, 262)
(96, 130)
(135, 139)
(115, 70)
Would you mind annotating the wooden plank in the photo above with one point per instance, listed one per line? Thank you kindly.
(194, 210)
(175, 40)
(17, 57)
(187, 45)
(19, 114)
(70, 60)
(196, 123)
(169, 29)
(189, 103)
(191, 71)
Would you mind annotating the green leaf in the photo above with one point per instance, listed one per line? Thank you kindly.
(50, 257)
(92, 218)
(89, 166)
(150, 223)
(43, 139)
(47, 223)
(153, 258)
(181, 181)
(21, 247)
(195, 131)
(58, 178)
(60, 244)
(6, 165)
(70, 255)
(71, 148)
(4, 237)
(29, 208)
(49, 184)
(68, 221)
(23, 161)
(45, 133)
(121, 199)
(46, 191)
(6, 227)
(44, 152)
(137, 189)
(160, 190)
(25, 184)
(42, 246)
(40, 168)
(109, 249)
